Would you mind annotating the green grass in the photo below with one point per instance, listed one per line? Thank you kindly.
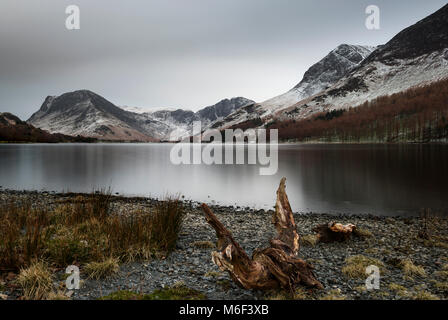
(176, 292)
(123, 295)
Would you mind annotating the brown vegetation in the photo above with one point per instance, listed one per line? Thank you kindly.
(416, 115)
(85, 230)
(12, 129)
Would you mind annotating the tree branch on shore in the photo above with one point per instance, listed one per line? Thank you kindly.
(333, 232)
(275, 267)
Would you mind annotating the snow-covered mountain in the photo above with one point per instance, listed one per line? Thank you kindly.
(416, 56)
(180, 122)
(319, 77)
(351, 75)
(347, 77)
(15, 130)
(322, 75)
(85, 113)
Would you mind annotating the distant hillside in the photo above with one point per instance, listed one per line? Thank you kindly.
(85, 113)
(12, 129)
(415, 115)
(351, 75)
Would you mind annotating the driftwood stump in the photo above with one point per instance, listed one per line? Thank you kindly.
(275, 267)
(333, 232)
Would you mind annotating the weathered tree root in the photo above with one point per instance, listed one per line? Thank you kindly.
(275, 267)
(333, 232)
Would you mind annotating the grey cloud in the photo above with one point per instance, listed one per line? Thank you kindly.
(178, 53)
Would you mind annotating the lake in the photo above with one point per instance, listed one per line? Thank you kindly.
(336, 178)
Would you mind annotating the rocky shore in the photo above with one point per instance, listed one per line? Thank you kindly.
(412, 254)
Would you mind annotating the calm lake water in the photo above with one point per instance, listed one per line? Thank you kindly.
(360, 179)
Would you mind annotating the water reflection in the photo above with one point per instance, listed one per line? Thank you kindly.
(377, 179)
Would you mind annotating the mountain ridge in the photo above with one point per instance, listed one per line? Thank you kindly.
(13, 129)
(416, 56)
(83, 112)
(411, 58)
(321, 75)
(347, 77)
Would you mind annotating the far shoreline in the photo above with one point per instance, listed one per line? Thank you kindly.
(195, 204)
(314, 142)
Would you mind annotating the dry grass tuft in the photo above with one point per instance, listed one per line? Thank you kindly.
(410, 269)
(424, 295)
(178, 291)
(225, 284)
(203, 244)
(334, 294)
(440, 285)
(166, 223)
(363, 233)
(361, 289)
(36, 281)
(310, 240)
(399, 289)
(23, 235)
(84, 229)
(278, 296)
(212, 274)
(102, 270)
(299, 294)
(443, 275)
(60, 295)
(355, 266)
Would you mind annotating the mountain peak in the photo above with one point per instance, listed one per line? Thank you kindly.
(332, 67)
(424, 37)
(86, 113)
(223, 108)
(7, 118)
(83, 112)
(70, 99)
(416, 56)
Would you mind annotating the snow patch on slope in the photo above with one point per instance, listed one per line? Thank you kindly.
(374, 80)
(317, 78)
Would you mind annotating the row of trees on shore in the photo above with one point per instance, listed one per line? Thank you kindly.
(416, 115)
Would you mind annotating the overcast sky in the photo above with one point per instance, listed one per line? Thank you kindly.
(179, 53)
